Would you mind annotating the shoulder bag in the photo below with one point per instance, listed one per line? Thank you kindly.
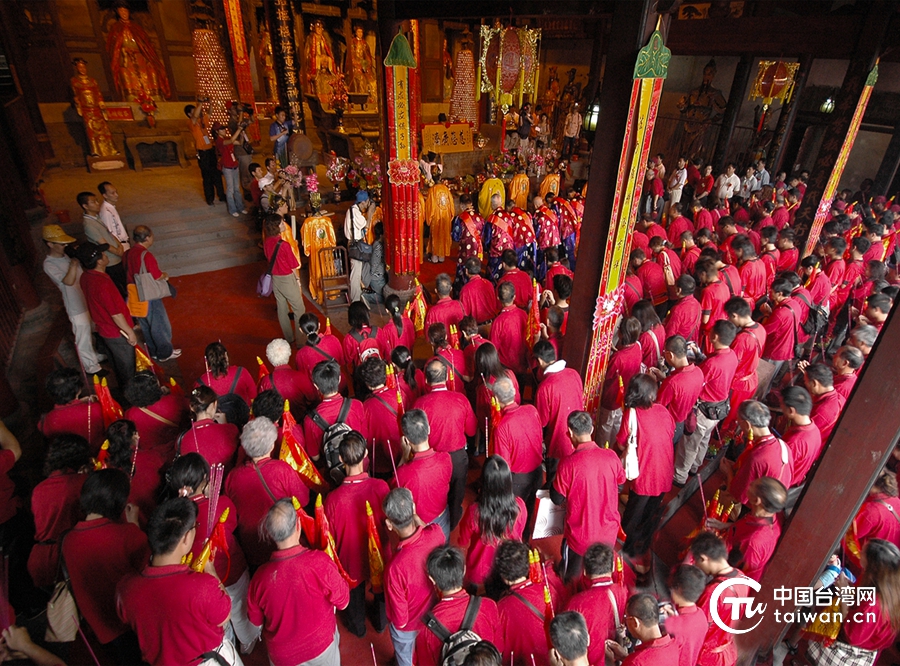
(264, 286)
(150, 288)
(358, 249)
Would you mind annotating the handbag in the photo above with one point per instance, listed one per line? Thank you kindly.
(839, 654)
(150, 288)
(359, 250)
(62, 613)
(264, 286)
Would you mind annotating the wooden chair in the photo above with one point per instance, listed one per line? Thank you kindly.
(335, 274)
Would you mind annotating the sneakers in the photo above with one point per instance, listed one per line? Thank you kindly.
(235, 215)
(245, 211)
(175, 354)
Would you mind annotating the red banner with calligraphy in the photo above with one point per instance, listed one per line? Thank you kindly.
(241, 60)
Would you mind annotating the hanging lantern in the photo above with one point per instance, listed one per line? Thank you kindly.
(774, 80)
(507, 67)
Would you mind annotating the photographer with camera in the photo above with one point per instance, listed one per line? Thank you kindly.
(198, 119)
(240, 117)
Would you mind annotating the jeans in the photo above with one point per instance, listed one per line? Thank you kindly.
(233, 195)
(122, 355)
(212, 177)
(157, 330)
(84, 343)
(404, 645)
(443, 521)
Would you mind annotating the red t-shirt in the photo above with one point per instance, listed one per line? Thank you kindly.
(104, 301)
(508, 336)
(703, 219)
(877, 519)
(624, 363)
(345, 508)
(712, 302)
(679, 391)
(244, 487)
(826, 411)
(455, 361)
(94, 578)
(788, 260)
(293, 385)
(217, 442)
(388, 337)
(328, 348)
(782, 331)
(805, 443)
(56, 509)
(751, 542)
(245, 387)
(652, 343)
(329, 409)
(522, 283)
(427, 476)
(754, 279)
(518, 438)
(653, 281)
(9, 503)
(662, 651)
(677, 227)
(160, 424)
(684, 319)
(483, 393)
(556, 269)
(384, 428)
(844, 384)
(230, 565)
(748, 345)
(286, 261)
(768, 457)
(522, 630)
(479, 551)
(596, 606)
(718, 645)
(656, 456)
(866, 634)
(77, 418)
(295, 593)
(633, 291)
(133, 263)
(478, 299)
(590, 479)
(688, 628)
(559, 394)
(450, 418)
(408, 593)
(445, 311)
(450, 611)
(475, 341)
(145, 481)
(820, 289)
(196, 606)
(352, 346)
(226, 153)
(718, 372)
(689, 260)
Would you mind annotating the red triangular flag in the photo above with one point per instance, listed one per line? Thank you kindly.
(263, 370)
(111, 409)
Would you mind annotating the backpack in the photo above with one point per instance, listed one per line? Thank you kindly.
(456, 646)
(332, 434)
(233, 406)
(817, 319)
(368, 345)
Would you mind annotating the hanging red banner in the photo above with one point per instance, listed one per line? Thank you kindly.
(241, 60)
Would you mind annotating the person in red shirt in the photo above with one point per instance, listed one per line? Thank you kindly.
(653, 281)
(496, 515)
(321, 347)
(703, 219)
(769, 456)
(551, 329)
(155, 326)
(285, 275)
(293, 385)
(877, 517)
(345, 508)
(216, 442)
(471, 340)
(160, 416)
(645, 441)
(453, 359)
(642, 621)
(554, 267)
(456, 610)
(141, 463)
(752, 271)
(878, 307)
(230, 167)
(769, 253)
(71, 413)
(748, 345)
(624, 364)
(602, 604)
(633, 290)
(488, 369)
(782, 324)
(400, 330)
(559, 393)
(407, 591)
(685, 621)
(789, 255)
(381, 417)
(815, 280)
(257, 484)
(522, 607)
(477, 295)
(424, 471)
(508, 331)
(446, 310)
(296, 591)
(718, 371)
(54, 503)
(667, 258)
(684, 316)
(846, 363)
(712, 303)
(835, 266)
(228, 380)
(519, 279)
(653, 333)
(518, 439)
(107, 307)
(827, 403)
(802, 435)
(452, 422)
(751, 540)
(679, 390)
(333, 408)
(678, 225)
(196, 605)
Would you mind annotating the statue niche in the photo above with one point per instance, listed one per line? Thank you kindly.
(700, 109)
(136, 67)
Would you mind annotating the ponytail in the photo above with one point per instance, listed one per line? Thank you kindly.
(392, 305)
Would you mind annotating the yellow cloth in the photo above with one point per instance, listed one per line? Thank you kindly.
(491, 187)
(420, 245)
(439, 213)
(549, 184)
(519, 188)
(136, 307)
(377, 216)
(317, 233)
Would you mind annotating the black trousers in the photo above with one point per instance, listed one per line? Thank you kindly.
(525, 486)
(122, 356)
(212, 177)
(457, 491)
(117, 274)
(641, 516)
(354, 616)
(572, 564)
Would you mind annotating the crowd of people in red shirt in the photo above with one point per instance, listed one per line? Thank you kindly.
(192, 538)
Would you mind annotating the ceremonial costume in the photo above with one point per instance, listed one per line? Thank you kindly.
(497, 238)
(317, 233)
(438, 215)
(466, 229)
(519, 187)
(490, 187)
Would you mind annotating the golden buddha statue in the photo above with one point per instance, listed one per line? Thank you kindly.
(89, 105)
(135, 65)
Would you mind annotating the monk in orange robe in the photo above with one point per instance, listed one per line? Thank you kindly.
(519, 189)
(439, 213)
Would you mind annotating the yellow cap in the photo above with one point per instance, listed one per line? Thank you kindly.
(55, 234)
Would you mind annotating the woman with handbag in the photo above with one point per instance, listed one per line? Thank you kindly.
(285, 276)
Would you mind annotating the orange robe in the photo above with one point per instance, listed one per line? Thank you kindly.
(439, 213)
(317, 233)
(519, 188)
(549, 184)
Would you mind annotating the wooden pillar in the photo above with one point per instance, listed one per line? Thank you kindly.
(889, 166)
(729, 118)
(631, 23)
(859, 447)
(848, 97)
(787, 117)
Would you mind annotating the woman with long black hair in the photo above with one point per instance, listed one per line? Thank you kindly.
(399, 331)
(142, 465)
(409, 377)
(216, 442)
(489, 369)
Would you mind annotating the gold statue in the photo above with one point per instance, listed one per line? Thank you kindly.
(136, 68)
(89, 105)
(360, 65)
(267, 58)
(700, 109)
(319, 58)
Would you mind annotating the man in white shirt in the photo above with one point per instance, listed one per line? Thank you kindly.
(65, 274)
(355, 227)
(727, 184)
(98, 233)
(110, 216)
(571, 131)
(677, 181)
(762, 175)
(749, 184)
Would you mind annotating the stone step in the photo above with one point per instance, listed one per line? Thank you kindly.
(218, 260)
(200, 251)
(182, 216)
(171, 240)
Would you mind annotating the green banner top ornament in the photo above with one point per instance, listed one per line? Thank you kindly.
(873, 75)
(400, 54)
(653, 59)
